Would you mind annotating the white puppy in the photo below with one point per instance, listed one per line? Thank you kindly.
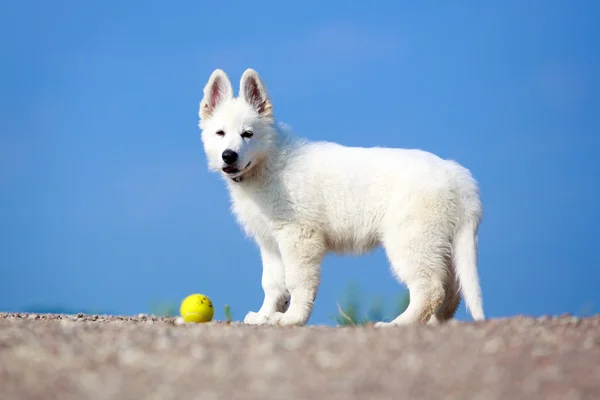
(300, 200)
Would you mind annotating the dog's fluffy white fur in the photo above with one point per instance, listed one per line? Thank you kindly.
(300, 200)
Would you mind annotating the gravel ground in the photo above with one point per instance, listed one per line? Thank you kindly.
(105, 357)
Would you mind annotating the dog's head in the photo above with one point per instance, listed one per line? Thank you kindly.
(237, 132)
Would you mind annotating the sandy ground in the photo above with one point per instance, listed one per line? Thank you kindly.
(106, 357)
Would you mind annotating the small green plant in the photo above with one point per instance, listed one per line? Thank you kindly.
(350, 312)
(228, 314)
(166, 309)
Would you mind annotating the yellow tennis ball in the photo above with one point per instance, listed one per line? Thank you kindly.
(196, 308)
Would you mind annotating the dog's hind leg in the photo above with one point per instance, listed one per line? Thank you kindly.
(426, 296)
(452, 300)
(419, 262)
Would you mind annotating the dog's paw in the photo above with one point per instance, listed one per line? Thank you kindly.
(394, 323)
(254, 318)
(286, 319)
(386, 324)
(382, 324)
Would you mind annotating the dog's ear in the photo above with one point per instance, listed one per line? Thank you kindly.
(216, 91)
(253, 91)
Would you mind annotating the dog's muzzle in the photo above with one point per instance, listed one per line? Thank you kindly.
(239, 174)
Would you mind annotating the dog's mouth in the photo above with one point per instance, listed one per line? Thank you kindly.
(233, 170)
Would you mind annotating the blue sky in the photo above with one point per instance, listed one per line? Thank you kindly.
(106, 202)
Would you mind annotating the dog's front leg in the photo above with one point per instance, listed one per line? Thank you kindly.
(273, 283)
(302, 251)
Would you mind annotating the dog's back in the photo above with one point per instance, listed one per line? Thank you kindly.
(362, 190)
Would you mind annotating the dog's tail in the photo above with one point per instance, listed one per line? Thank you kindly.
(465, 262)
(465, 243)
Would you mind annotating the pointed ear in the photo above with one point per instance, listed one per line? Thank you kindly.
(253, 91)
(217, 90)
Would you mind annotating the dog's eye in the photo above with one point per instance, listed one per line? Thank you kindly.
(247, 134)
(220, 133)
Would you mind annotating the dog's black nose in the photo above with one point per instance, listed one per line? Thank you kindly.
(229, 156)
